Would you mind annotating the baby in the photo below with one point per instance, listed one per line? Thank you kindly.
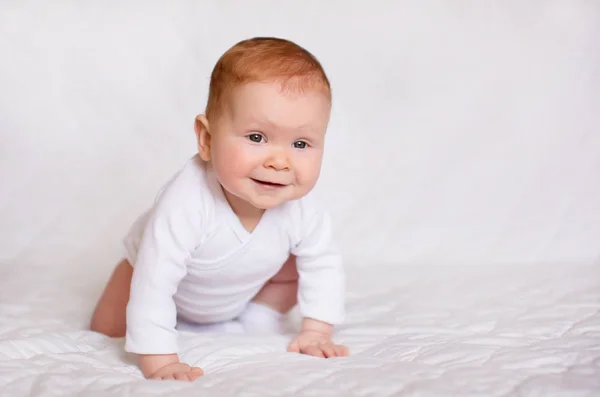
(236, 239)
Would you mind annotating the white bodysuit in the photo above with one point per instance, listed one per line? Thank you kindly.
(194, 259)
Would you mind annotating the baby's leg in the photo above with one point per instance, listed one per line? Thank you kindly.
(264, 314)
(280, 292)
(109, 315)
(277, 297)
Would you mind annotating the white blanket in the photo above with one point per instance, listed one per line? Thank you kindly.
(426, 331)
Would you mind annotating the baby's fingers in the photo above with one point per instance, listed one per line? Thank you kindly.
(293, 347)
(195, 373)
(328, 350)
(332, 350)
(181, 376)
(341, 351)
(162, 377)
(313, 351)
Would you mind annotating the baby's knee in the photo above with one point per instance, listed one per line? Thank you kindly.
(109, 316)
(103, 325)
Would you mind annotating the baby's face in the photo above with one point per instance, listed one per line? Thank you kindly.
(267, 146)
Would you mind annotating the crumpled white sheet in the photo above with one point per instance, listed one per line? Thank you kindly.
(419, 331)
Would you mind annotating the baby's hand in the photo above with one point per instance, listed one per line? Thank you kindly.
(318, 344)
(178, 371)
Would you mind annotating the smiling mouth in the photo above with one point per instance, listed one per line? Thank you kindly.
(268, 184)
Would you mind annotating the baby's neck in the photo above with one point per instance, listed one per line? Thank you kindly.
(250, 222)
(248, 215)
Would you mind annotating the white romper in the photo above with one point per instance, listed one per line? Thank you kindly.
(193, 259)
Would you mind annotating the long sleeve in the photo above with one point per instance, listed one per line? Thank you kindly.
(170, 234)
(321, 284)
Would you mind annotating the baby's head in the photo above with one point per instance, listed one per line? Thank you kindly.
(264, 129)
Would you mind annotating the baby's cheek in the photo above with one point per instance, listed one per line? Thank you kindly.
(235, 160)
(307, 175)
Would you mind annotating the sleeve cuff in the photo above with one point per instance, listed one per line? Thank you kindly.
(329, 316)
(163, 342)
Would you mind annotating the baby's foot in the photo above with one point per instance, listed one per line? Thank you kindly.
(260, 319)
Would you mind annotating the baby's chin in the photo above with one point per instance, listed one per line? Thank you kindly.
(266, 203)
(263, 204)
(272, 202)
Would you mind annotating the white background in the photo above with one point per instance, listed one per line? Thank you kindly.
(462, 132)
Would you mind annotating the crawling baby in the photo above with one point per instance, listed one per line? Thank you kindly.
(236, 239)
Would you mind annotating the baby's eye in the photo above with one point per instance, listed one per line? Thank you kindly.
(255, 138)
(300, 145)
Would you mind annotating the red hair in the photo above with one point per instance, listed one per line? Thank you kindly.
(264, 59)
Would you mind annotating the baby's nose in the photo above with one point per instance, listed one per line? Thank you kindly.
(277, 160)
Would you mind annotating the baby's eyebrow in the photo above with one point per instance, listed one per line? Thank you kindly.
(259, 122)
(304, 127)
(264, 122)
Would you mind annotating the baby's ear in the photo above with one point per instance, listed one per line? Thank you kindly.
(202, 137)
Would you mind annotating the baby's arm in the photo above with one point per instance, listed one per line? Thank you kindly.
(171, 233)
(321, 289)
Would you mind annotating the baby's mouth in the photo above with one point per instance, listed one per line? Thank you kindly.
(267, 183)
